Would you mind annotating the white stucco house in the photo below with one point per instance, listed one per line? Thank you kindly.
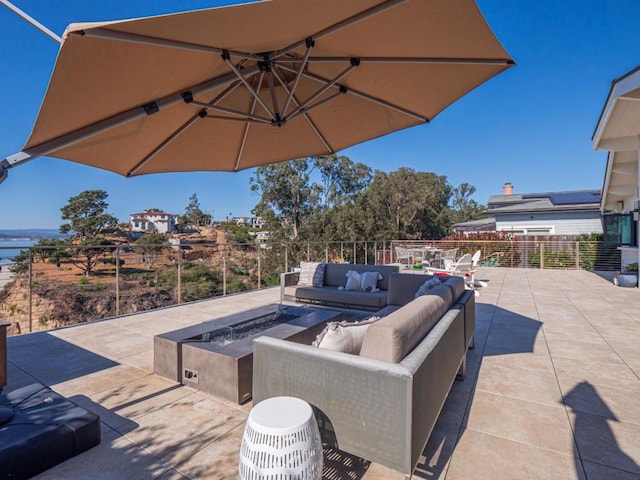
(152, 221)
(618, 132)
(252, 222)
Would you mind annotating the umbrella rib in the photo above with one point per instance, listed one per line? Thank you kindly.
(165, 143)
(428, 60)
(310, 44)
(246, 84)
(225, 92)
(364, 96)
(382, 7)
(106, 34)
(234, 119)
(244, 115)
(119, 119)
(304, 114)
(274, 99)
(328, 84)
(245, 134)
(317, 104)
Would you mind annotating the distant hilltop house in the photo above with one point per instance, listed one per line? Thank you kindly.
(153, 221)
(252, 222)
(261, 238)
(546, 213)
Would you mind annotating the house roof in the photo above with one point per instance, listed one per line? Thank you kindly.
(577, 200)
(618, 131)
(153, 213)
(481, 222)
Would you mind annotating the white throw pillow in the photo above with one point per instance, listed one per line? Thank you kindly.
(311, 274)
(426, 286)
(344, 337)
(370, 281)
(354, 281)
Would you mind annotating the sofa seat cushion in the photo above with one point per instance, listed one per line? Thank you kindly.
(391, 338)
(342, 297)
(46, 430)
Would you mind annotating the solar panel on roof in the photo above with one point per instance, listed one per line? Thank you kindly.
(573, 198)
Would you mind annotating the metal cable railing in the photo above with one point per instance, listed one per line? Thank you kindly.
(55, 286)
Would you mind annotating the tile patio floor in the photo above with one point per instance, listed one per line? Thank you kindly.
(552, 392)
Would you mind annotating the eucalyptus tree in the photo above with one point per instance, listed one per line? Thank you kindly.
(286, 195)
(405, 204)
(464, 208)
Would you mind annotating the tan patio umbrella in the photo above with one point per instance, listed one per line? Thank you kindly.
(246, 85)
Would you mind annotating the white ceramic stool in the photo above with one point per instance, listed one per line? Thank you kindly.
(281, 440)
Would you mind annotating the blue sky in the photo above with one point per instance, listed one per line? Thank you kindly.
(530, 126)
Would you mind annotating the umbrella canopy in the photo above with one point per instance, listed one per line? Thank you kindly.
(246, 85)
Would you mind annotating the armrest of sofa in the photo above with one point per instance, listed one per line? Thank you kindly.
(288, 279)
(468, 301)
(368, 402)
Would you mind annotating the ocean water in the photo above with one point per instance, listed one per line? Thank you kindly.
(11, 248)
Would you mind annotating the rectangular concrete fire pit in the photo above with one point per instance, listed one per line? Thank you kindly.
(217, 356)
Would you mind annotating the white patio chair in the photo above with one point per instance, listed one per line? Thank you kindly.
(403, 253)
(461, 268)
(447, 258)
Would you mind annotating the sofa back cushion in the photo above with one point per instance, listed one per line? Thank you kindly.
(391, 338)
(311, 274)
(444, 292)
(403, 287)
(456, 284)
(335, 274)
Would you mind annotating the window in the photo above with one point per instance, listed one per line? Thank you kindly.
(619, 229)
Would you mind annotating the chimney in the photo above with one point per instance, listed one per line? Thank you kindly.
(507, 189)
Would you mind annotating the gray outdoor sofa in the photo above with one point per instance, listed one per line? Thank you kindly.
(382, 404)
(335, 277)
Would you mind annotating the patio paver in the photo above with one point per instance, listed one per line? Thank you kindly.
(551, 390)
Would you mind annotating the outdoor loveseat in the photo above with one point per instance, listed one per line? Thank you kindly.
(381, 404)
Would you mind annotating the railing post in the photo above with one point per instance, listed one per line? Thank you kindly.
(578, 255)
(355, 253)
(117, 280)
(541, 255)
(375, 252)
(342, 251)
(286, 258)
(224, 270)
(511, 250)
(366, 253)
(326, 253)
(308, 253)
(259, 267)
(179, 275)
(3, 353)
(30, 290)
